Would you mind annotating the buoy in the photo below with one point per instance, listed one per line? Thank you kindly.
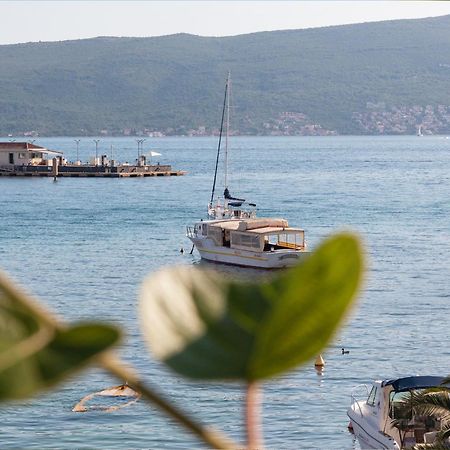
(319, 361)
(181, 250)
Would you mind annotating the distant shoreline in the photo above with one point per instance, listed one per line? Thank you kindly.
(34, 138)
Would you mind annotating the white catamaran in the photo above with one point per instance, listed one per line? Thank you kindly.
(232, 234)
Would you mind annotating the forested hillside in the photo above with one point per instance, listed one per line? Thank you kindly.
(385, 77)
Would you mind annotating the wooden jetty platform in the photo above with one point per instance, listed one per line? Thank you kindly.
(87, 170)
(25, 159)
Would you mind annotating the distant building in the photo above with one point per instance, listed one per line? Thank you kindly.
(25, 153)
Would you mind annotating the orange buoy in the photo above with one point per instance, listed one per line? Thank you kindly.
(319, 361)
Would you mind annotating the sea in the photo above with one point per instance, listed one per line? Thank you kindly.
(83, 247)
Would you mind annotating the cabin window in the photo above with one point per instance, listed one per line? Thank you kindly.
(11, 158)
(216, 234)
(22, 155)
(372, 396)
(286, 240)
(252, 241)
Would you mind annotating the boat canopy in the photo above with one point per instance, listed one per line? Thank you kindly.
(251, 224)
(226, 225)
(276, 230)
(416, 382)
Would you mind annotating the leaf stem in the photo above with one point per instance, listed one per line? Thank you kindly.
(253, 417)
(212, 438)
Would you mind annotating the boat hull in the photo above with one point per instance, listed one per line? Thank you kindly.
(277, 259)
(368, 436)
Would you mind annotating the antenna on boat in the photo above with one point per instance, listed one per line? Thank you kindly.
(220, 138)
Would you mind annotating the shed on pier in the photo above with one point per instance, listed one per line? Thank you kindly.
(24, 153)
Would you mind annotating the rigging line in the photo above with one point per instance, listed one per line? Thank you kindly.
(235, 175)
(220, 140)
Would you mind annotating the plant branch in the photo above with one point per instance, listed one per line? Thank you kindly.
(253, 417)
(212, 438)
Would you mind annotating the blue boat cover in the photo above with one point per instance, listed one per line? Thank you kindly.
(417, 382)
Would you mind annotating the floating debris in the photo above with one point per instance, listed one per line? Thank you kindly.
(123, 393)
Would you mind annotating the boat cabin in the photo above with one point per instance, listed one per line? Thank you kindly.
(255, 235)
(25, 153)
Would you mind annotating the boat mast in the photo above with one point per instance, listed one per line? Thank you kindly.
(220, 140)
(228, 92)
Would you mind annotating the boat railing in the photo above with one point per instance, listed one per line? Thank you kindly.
(224, 209)
(291, 245)
(356, 397)
(190, 232)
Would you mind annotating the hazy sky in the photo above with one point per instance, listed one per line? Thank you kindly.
(24, 21)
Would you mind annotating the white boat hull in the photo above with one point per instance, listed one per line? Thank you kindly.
(277, 259)
(369, 436)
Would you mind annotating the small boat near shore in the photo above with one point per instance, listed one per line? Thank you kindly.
(232, 232)
(375, 418)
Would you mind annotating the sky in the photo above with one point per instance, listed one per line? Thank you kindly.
(31, 21)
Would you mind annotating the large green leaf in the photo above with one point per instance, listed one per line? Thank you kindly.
(35, 351)
(206, 326)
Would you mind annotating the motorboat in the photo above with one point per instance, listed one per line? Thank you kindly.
(380, 419)
(233, 234)
(254, 242)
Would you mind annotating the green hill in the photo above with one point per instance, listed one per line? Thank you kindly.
(385, 77)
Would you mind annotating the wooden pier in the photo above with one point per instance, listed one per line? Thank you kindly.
(25, 159)
(88, 170)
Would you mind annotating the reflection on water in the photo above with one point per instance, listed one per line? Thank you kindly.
(238, 273)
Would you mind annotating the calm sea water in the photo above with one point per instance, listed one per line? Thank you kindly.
(83, 246)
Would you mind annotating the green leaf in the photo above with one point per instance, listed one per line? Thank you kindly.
(35, 351)
(205, 326)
